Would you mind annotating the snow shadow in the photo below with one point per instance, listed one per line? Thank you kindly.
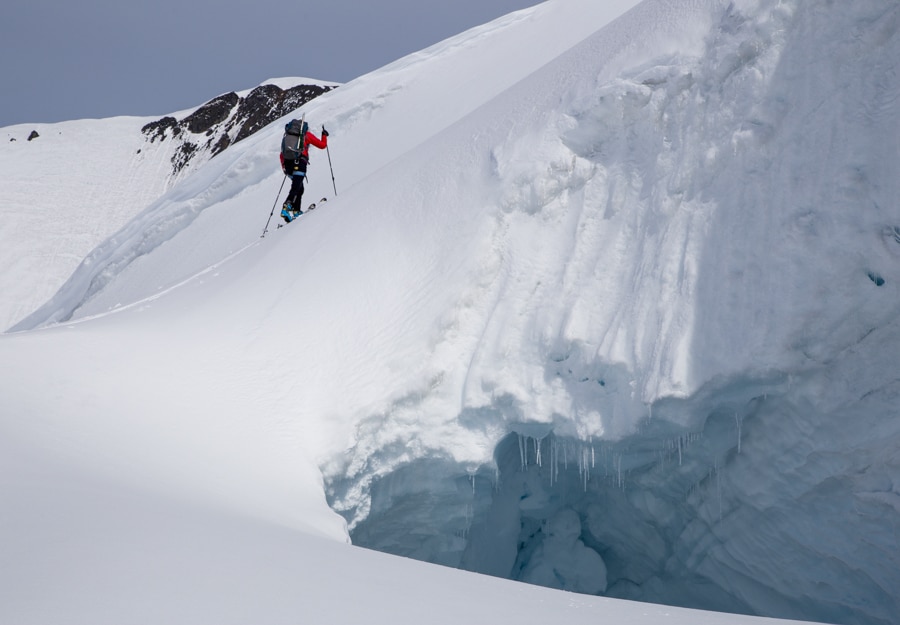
(749, 510)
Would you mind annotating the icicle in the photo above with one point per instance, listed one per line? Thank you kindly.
(554, 470)
(680, 458)
(557, 459)
(558, 446)
(552, 462)
(586, 470)
(583, 466)
(738, 421)
(523, 453)
(619, 481)
(537, 452)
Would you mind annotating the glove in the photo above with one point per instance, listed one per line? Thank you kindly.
(324, 132)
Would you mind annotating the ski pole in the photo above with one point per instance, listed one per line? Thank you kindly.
(272, 212)
(327, 151)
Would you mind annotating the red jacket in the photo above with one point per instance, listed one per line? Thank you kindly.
(314, 140)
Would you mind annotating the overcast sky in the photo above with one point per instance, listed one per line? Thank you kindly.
(63, 59)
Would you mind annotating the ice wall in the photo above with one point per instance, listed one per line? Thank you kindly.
(688, 375)
(784, 502)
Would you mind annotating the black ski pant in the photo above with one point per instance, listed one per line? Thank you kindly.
(297, 173)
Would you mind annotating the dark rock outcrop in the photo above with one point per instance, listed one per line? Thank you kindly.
(265, 104)
(157, 130)
(227, 119)
(214, 112)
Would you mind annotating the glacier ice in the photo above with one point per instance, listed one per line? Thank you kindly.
(688, 360)
(783, 500)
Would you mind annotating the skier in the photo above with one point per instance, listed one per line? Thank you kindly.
(294, 160)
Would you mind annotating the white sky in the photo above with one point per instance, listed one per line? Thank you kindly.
(101, 58)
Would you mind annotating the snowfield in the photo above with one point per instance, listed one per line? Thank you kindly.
(74, 184)
(615, 314)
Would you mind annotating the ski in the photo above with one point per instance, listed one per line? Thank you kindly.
(313, 205)
(300, 213)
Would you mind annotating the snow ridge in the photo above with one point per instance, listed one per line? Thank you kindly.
(109, 171)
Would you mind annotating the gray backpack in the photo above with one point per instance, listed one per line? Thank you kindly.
(294, 138)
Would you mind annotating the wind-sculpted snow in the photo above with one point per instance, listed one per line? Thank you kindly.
(701, 226)
(231, 174)
(620, 321)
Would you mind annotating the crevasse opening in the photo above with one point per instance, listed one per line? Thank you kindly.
(768, 507)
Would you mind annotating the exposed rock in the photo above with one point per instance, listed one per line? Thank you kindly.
(221, 144)
(227, 119)
(214, 112)
(157, 130)
(267, 103)
(34, 135)
(183, 155)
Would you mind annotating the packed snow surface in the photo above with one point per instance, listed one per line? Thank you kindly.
(615, 314)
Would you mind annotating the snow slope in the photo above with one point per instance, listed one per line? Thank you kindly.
(613, 315)
(76, 183)
(48, 182)
(83, 549)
